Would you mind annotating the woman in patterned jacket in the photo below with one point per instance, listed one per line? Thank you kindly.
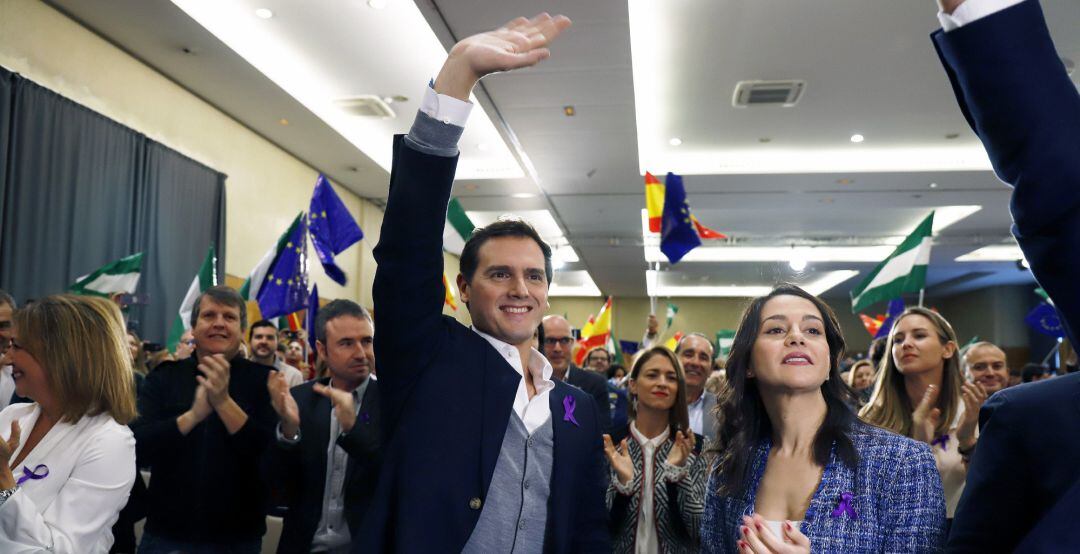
(796, 470)
(657, 474)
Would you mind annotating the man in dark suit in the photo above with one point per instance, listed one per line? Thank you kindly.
(558, 342)
(1022, 487)
(327, 451)
(482, 450)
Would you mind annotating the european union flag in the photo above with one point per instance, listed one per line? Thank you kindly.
(285, 288)
(333, 228)
(1045, 319)
(677, 233)
(312, 313)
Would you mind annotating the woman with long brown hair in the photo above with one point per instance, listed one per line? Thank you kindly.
(657, 475)
(921, 393)
(796, 470)
(67, 460)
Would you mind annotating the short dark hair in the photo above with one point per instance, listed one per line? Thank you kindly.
(225, 296)
(1033, 370)
(334, 310)
(262, 323)
(876, 352)
(508, 227)
(6, 298)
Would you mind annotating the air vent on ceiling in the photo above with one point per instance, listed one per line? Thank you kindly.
(365, 106)
(767, 93)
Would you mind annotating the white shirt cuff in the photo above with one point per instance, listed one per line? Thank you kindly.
(971, 11)
(446, 109)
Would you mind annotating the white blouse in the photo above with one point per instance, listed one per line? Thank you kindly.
(91, 468)
(950, 464)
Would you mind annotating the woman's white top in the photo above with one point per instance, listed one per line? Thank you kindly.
(777, 527)
(91, 468)
(951, 464)
(645, 537)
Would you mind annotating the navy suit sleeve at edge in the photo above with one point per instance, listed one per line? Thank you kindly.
(408, 292)
(915, 518)
(991, 515)
(1014, 90)
(592, 528)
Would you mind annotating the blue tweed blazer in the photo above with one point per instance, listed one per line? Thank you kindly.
(898, 500)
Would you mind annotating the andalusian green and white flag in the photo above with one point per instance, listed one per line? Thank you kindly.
(672, 309)
(724, 339)
(458, 228)
(119, 277)
(253, 284)
(903, 271)
(206, 278)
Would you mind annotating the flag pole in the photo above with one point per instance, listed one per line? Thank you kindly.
(652, 297)
(922, 294)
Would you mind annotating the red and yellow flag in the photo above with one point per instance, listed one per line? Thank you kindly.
(654, 201)
(673, 342)
(705, 232)
(595, 333)
(449, 298)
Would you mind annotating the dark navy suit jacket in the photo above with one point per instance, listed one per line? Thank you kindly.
(1021, 486)
(447, 396)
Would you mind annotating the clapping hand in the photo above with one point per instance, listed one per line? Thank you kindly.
(520, 43)
(344, 407)
(682, 450)
(8, 447)
(283, 402)
(757, 538)
(215, 378)
(926, 417)
(973, 395)
(619, 458)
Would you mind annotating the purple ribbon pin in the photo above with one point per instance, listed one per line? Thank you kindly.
(943, 441)
(364, 417)
(845, 506)
(35, 475)
(568, 405)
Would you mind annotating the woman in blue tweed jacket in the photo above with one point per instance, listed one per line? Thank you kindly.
(796, 471)
(657, 474)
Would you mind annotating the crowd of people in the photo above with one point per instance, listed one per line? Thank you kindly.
(490, 439)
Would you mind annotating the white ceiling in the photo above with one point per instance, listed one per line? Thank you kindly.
(869, 66)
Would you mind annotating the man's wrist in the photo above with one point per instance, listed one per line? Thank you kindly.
(455, 80)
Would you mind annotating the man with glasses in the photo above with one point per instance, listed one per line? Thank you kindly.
(558, 346)
(7, 383)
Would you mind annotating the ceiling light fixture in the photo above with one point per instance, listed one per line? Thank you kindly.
(569, 111)
(263, 13)
(822, 283)
(933, 185)
(857, 138)
(377, 4)
(797, 262)
(573, 283)
(994, 253)
(483, 147)
(675, 141)
(523, 195)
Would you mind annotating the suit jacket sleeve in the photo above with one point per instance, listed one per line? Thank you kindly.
(408, 291)
(1014, 92)
(592, 529)
(991, 515)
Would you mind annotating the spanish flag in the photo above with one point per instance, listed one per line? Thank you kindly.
(449, 298)
(654, 201)
(673, 342)
(596, 334)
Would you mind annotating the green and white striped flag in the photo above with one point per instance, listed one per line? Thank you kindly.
(672, 309)
(903, 271)
(250, 289)
(119, 277)
(724, 339)
(206, 278)
(458, 228)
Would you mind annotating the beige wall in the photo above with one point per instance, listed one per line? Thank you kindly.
(266, 187)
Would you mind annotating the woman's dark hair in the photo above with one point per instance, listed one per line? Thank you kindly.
(613, 368)
(741, 418)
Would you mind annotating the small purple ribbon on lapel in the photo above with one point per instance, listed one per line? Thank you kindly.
(365, 417)
(845, 506)
(568, 405)
(943, 440)
(35, 475)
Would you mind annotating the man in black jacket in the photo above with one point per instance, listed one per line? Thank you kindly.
(203, 424)
(327, 450)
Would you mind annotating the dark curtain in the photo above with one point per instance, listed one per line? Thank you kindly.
(80, 190)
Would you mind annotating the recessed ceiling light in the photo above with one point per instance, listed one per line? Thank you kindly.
(283, 121)
(764, 140)
(377, 4)
(470, 186)
(951, 136)
(264, 13)
(523, 195)
(483, 147)
(933, 185)
(857, 138)
(569, 111)
(675, 141)
(844, 181)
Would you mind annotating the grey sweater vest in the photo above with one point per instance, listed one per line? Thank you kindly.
(514, 517)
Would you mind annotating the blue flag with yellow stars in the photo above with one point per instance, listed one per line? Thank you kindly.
(1045, 319)
(677, 233)
(333, 228)
(311, 316)
(285, 288)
